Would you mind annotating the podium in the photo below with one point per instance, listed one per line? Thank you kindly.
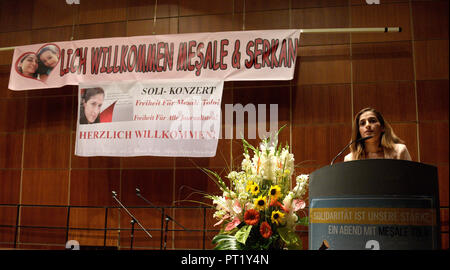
(374, 204)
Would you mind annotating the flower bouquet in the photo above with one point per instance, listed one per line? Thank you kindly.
(257, 210)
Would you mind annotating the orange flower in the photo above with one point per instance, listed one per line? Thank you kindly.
(265, 230)
(257, 166)
(251, 217)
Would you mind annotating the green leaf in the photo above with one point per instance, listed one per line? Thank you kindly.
(243, 233)
(248, 145)
(217, 179)
(303, 221)
(225, 242)
(290, 238)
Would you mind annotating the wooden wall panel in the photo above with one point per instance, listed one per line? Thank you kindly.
(47, 187)
(323, 65)
(82, 219)
(431, 59)
(382, 62)
(4, 91)
(8, 215)
(404, 75)
(101, 30)
(49, 35)
(220, 160)
(12, 12)
(319, 3)
(144, 9)
(43, 217)
(330, 138)
(11, 150)
(202, 7)
(93, 187)
(148, 181)
(150, 219)
(192, 219)
(12, 115)
(274, 19)
(255, 5)
(432, 100)
(53, 114)
(206, 23)
(47, 150)
(102, 11)
(187, 184)
(434, 142)
(332, 17)
(396, 100)
(443, 186)
(147, 162)
(67, 90)
(430, 19)
(315, 104)
(383, 15)
(10, 183)
(147, 27)
(48, 13)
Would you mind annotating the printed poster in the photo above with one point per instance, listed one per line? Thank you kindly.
(149, 118)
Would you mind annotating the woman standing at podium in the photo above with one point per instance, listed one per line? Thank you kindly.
(383, 142)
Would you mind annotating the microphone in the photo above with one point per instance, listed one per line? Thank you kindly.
(164, 216)
(348, 145)
(133, 218)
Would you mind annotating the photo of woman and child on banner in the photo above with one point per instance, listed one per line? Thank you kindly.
(38, 65)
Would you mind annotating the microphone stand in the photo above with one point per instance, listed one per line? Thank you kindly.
(164, 220)
(348, 145)
(133, 221)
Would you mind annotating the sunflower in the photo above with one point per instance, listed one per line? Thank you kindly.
(260, 203)
(254, 189)
(249, 186)
(275, 192)
(277, 217)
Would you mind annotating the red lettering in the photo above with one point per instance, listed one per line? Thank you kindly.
(182, 54)
(104, 53)
(123, 65)
(191, 54)
(141, 64)
(95, 60)
(274, 49)
(283, 54)
(132, 58)
(266, 53)
(160, 56)
(249, 63)
(223, 53)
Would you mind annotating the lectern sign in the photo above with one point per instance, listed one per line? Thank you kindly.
(372, 223)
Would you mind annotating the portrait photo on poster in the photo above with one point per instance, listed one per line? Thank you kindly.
(38, 65)
(104, 104)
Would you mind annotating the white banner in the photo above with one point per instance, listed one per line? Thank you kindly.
(149, 118)
(228, 56)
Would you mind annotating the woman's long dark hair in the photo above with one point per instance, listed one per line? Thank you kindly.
(86, 94)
